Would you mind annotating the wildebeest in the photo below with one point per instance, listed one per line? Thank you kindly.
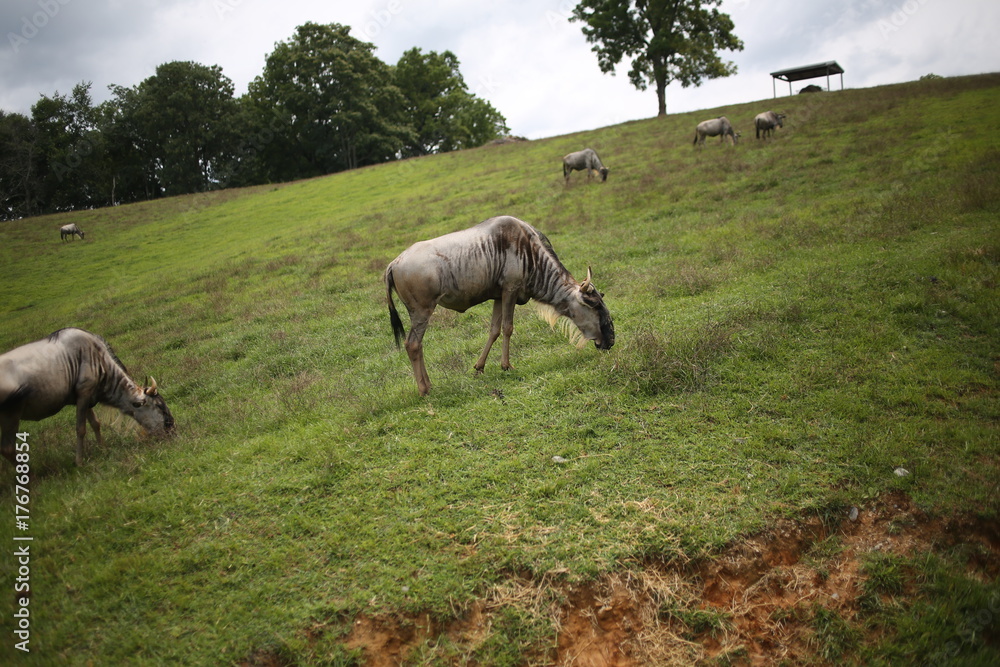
(503, 259)
(69, 230)
(767, 121)
(72, 367)
(584, 160)
(716, 127)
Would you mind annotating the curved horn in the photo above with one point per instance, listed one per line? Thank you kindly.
(587, 285)
(151, 390)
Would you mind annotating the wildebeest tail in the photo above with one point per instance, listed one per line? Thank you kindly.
(398, 331)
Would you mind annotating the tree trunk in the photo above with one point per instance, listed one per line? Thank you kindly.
(660, 74)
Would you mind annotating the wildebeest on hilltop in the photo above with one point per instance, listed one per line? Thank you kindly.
(69, 230)
(766, 122)
(503, 259)
(584, 160)
(72, 367)
(716, 127)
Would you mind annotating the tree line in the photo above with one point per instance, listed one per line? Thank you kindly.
(324, 103)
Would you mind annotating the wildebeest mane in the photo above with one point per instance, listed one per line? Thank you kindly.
(55, 335)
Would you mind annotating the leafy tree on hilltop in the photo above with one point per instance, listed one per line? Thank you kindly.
(334, 102)
(69, 152)
(17, 166)
(444, 115)
(183, 115)
(324, 103)
(667, 40)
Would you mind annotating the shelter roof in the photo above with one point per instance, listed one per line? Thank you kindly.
(808, 71)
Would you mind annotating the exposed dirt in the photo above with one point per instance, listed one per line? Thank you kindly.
(751, 604)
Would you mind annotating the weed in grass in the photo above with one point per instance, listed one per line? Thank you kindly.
(954, 620)
(656, 363)
(824, 550)
(884, 578)
(515, 632)
(978, 190)
(832, 637)
(698, 621)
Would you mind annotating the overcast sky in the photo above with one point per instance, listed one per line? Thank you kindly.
(523, 56)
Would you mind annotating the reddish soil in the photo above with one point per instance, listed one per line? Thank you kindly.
(766, 589)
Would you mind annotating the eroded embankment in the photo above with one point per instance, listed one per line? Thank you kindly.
(758, 602)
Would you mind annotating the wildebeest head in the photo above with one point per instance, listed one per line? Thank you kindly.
(591, 316)
(604, 174)
(148, 408)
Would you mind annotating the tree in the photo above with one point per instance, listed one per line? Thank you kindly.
(17, 166)
(71, 163)
(182, 122)
(131, 156)
(332, 101)
(481, 122)
(444, 115)
(667, 40)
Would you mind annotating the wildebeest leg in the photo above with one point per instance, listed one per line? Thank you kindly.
(96, 426)
(493, 335)
(508, 328)
(415, 350)
(8, 431)
(82, 414)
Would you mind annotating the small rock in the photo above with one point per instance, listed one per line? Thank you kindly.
(901, 472)
(853, 514)
(558, 459)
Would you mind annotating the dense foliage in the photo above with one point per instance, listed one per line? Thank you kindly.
(324, 103)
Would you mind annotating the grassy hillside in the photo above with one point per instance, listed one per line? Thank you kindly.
(795, 320)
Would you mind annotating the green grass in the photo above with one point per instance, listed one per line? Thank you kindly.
(795, 319)
(949, 618)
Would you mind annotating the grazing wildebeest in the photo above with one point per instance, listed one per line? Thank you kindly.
(503, 259)
(69, 230)
(584, 160)
(767, 121)
(716, 127)
(72, 367)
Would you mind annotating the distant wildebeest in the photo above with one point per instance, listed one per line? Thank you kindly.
(716, 127)
(767, 121)
(72, 367)
(503, 259)
(69, 230)
(584, 160)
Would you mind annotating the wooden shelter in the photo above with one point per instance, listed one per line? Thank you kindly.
(808, 72)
